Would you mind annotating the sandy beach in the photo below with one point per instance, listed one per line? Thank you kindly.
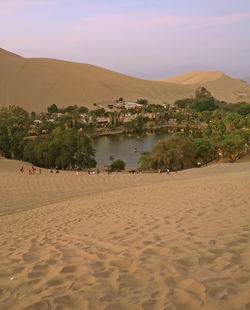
(123, 241)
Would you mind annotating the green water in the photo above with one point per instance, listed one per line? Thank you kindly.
(122, 147)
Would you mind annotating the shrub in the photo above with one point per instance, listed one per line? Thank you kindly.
(117, 165)
(145, 160)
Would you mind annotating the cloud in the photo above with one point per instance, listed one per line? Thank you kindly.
(129, 22)
(132, 22)
(228, 19)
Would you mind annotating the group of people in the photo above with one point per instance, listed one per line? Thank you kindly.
(31, 171)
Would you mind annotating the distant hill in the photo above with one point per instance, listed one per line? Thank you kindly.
(36, 83)
(219, 84)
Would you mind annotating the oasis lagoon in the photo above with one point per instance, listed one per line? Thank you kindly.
(126, 147)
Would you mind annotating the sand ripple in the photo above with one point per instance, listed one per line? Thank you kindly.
(160, 242)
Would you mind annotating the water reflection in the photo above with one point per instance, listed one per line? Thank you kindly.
(126, 148)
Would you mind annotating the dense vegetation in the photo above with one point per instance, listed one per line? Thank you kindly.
(117, 165)
(62, 148)
(59, 138)
(224, 130)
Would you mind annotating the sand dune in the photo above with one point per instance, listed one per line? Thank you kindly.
(34, 84)
(125, 241)
(195, 77)
(219, 84)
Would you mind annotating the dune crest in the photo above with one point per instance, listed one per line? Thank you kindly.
(195, 77)
(222, 86)
(36, 83)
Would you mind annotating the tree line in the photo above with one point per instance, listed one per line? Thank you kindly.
(62, 148)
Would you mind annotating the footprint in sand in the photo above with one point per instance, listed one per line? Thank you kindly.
(41, 305)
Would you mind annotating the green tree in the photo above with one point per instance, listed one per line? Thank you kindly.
(70, 109)
(14, 125)
(33, 115)
(142, 101)
(204, 104)
(65, 148)
(202, 92)
(234, 121)
(243, 109)
(206, 116)
(183, 103)
(206, 151)
(178, 152)
(146, 161)
(83, 110)
(140, 122)
(117, 165)
(232, 144)
(53, 108)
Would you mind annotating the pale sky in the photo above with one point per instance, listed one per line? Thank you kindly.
(150, 38)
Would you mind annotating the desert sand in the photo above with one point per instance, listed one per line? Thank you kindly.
(222, 86)
(122, 241)
(36, 83)
(195, 77)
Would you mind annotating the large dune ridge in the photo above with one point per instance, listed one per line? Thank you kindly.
(125, 242)
(222, 86)
(36, 83)
(194, 77)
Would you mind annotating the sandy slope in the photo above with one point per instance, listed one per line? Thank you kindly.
(219, 84)
(126, 241)
(194, 77)
(34, 84)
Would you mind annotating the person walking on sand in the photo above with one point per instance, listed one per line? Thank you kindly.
(168, 170)
(21, 170)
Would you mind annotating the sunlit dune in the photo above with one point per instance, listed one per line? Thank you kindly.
(219, 84)
(35, 84)
(122, 241)
(195, 77)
